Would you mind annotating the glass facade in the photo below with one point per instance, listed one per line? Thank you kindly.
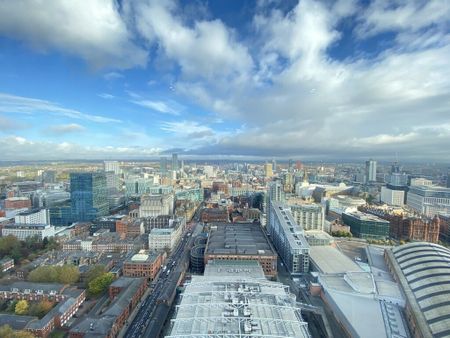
(89, 198)
(366, 227)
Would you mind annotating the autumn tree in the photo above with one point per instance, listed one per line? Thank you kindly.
(21, 307)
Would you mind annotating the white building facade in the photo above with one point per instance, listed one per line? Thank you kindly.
(24, 231)
(156, 205)
(309, 216)
(33, 217)
(429, 200)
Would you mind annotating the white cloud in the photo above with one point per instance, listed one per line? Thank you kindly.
(62, 129)
(206, 50)
(25, 105)
(112, 76)
(20, 148)
(92, 30)
(412, 15)
(106, 96)
(170, 108)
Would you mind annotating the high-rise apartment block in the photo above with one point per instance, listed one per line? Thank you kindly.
(175, 166)
(288, 238)
(268, 170)
(371, 171)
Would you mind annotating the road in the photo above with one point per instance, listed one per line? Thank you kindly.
(153, 311)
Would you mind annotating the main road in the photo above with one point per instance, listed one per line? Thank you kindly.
(151, 315)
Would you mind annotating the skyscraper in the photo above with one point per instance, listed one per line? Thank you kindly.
(174, 162)
(268, 169)
(88, 193)
(112, 166)
(163, 165)
(371, 171)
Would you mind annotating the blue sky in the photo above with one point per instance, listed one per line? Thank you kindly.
(310, 79)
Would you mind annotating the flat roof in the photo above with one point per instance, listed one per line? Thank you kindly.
(353, 299)
(365, 216)
(329, 260)
(238, 239)
(293, 232)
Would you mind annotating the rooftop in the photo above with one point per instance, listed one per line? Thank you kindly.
(238, 239)
(364, 216)
(423, 270)
(329, 260)
(237, 305)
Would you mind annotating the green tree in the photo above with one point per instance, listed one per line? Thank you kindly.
(94, 272)
(6, 331)
(100, 284)
(68, 274)
(21, 307)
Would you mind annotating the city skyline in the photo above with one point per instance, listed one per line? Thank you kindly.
(314, 80)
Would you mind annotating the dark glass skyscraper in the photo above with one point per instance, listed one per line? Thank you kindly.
(88, 193)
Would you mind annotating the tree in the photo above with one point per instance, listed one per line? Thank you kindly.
(94, 272)
(68, 274)
(6, 331)
(100, 284)
(21, 307)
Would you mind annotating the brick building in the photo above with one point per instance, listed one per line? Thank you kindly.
(128, 227)
(124, 294)
(408, 227)
(143, 264)
(215, 215)
(17, 203)
(68, 299)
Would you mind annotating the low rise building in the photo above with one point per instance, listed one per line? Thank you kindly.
(406, 226)
(365, 225)
(211, 215)
(33, 217)
(353, 294)
(68, 302)
(24, 231)
(164, 239)
(233, 299)
(6, 264)
(124, 293)
(241, 241)
(143, 264)
(17, 203)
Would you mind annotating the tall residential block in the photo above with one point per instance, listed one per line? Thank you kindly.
(174, 162)
(371, 171)
(288, 238)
